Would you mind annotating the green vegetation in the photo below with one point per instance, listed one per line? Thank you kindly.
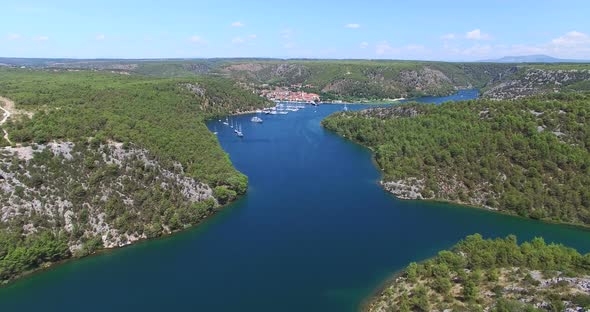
(497, 274)
(18, 255)
(161, 115)
(353, 80)
(115, 158)
(362, 79)
(529, 157)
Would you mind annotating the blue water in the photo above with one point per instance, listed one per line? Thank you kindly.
(314, 233)
(461, 95)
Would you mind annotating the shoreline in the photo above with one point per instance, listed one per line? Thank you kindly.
(585, 227)
(373, 297)
(46, 266)
(581, 226)
(362, 102)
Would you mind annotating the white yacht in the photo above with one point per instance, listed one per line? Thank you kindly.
(239, 132)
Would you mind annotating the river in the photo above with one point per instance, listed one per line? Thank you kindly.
(314, 233)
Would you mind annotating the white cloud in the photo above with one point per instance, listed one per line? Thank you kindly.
(41, 38)
(572, 39)
(352, 25)
(476, 34)
(13, 37)
(523, 49)
(287, 33)
(100, 37)
(238, 40)
(383, 47)
(238, 24)
(410, 51)
(477, 50)
(364, 45)
(573, 44)
(448, 36)
(197, 39)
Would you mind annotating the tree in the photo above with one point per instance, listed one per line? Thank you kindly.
(470, 290)
(420, 300)
(404, 303)
(411, 272)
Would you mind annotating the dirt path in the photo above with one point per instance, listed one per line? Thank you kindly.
(8, 107)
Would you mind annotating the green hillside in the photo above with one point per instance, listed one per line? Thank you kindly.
(528, 157)
(492, 275)
(107, 159)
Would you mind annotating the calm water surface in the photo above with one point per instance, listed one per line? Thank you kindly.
(314, 233)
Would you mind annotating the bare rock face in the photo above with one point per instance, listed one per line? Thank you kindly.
(116, 193)
(424, 79)
(410, 189)
(195, 88)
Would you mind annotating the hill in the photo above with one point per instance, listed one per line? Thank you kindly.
(538, 58)
(352, 80)
(102, 160)
(535, 79)
(492, 275)
(528, 157)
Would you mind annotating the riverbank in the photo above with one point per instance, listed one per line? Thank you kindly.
(581, 226)
(136, 164)
(46, 266)
(465, 154)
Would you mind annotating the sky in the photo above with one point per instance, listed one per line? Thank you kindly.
(370, 29)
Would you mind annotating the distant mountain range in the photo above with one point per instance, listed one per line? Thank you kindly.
(539, 58)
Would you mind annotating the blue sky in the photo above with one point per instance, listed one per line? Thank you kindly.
(419, 29)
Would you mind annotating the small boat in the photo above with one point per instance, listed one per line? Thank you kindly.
(256, 119)
(274, 112)
(239, 132)
(283, 113)
(345, 108)
(314, 103)
(225, 122)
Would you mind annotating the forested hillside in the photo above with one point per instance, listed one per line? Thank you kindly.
(539, 79)
(368, 79)
(492, 275)
(107, 159)
(529, 157)
(353, 80)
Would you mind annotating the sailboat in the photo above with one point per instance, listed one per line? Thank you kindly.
(239, 132)
(226, 122)
(345, 107)
(232, 124)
